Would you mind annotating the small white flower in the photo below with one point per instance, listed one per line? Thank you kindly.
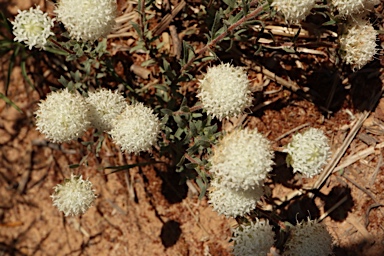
(254, 239)
(87, 20)
(231, 202)
(63, 116)
(135, 129)
(309, 238)
(104, 106)
(308, 152)
(358, 44)
(294, 10)
(32, 27)
(350, 7)
(224, 91)
(242, 159)
(74, 197)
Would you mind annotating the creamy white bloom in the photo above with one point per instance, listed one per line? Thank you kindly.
(74, 197)
(308, 152)
(62, 116)
(350, 7)
(231, 202)
(87, 20)
(224, 91)
(309, 238)
(242, 159)
(254, 239)
(104, 106)
(358, 44)
(294, 10)
(135, 129)
(33, 27)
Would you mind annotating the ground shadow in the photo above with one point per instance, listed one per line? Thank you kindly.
(173, 188)
(326, 89)
(338, 193)
(363, 247)
(300, 209)
(170, 233)
(281, 173)
(366, 87)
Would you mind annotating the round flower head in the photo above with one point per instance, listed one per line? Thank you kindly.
(358, 44)
(74, 196)
(349, 7)
(104, 105)
(308, 152)
(62, 116)
(242, 159)
(294, 10)
(255, 239)
(32, 27)
(231, 202)
(309, 238)
(87, 20)
(135, 129)
(224, 91)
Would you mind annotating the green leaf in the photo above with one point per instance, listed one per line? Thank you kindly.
(178, 133)
(166, 111)
(25, 75)
(10, 102)
(63, 81)
(191, 165)
(137, 28)
(202, 186)
(230, 3)
(330, 22)
(181, 162)
(193, 128)
(130, 166)
(180, 122)
(147, 63)
(10, 66)
(216, 23)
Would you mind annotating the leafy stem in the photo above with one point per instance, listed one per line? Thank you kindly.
(212, 43)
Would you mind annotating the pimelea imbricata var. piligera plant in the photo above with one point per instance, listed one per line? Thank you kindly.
(308, 152)
(309, 238)
(255, 238)
(294, 10)
(74, 196)
(183, 113)
(32, 27)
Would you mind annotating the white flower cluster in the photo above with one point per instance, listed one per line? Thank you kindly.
(224, 91)
(62, 116)
(239, 165)
(358, 44)
(87, 20)
(242, 159)
(104, 106)
(255, 239)
(65, 116)
(309, 238)
(231, 202)
(32, 27)
(308, 152)
(294, 10)
(350, 7)
(74, 197)
(135, 129)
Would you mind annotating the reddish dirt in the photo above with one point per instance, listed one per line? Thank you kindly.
(145, 211)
